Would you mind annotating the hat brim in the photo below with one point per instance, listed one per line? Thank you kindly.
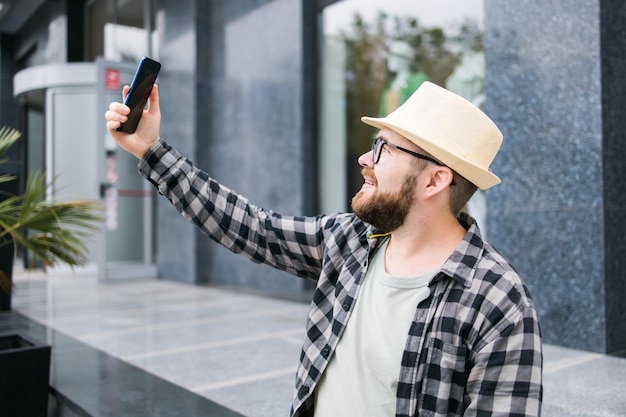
(471, 171)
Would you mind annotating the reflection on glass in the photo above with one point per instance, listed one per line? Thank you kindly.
(405, 76)
(374, 55)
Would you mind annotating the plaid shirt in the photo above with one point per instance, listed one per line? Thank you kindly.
(474, 347)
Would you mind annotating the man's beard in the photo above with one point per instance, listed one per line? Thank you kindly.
(383, 210)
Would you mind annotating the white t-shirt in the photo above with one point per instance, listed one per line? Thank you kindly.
(362, 376)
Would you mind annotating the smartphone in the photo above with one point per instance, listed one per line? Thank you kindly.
(140, 89)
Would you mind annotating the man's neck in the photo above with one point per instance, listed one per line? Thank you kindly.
(420, 247)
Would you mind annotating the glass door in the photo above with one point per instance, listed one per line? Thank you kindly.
(127, 240)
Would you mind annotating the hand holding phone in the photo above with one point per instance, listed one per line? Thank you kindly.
(140, 89)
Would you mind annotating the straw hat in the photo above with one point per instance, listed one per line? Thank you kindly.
(450, 128)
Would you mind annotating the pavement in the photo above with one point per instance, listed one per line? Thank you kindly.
(240, 350)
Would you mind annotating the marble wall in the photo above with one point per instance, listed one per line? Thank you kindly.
(556, 215)
(175, 238)
(237, 102)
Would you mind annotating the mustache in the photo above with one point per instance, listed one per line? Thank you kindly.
(369, 173)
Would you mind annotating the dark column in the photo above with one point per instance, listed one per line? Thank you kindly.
(613, 67)
(75, 31)
(9, 109)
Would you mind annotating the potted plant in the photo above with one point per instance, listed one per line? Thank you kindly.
(24, 376)
(54, 232)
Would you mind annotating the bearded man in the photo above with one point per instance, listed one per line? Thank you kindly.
(413, 312)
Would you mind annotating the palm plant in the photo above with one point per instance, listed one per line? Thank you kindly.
(54, 232)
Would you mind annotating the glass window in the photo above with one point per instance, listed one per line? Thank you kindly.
(118, 30)
(373, 56)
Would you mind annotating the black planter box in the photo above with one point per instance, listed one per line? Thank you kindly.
(24, 376)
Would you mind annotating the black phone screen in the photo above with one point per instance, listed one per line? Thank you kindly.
(140, 89)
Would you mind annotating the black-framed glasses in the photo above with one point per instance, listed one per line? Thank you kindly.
(379, 143)
(377, 150)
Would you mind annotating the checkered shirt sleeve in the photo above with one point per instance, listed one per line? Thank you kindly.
(292, 244)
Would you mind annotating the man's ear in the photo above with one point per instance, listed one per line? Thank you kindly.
(440, 179)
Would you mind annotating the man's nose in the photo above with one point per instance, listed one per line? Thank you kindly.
(365, 160)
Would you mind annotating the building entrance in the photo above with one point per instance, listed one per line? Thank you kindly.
(70, 142)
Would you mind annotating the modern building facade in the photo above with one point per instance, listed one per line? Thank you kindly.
(264, 95)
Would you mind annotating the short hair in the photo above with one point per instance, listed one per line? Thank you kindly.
(460, 192)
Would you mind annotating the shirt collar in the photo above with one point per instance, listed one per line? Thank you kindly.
(461, 265)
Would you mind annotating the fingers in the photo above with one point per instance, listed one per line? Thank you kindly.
(125, 91)
(118, 112)
(119, 108)
(153, 100)
(113, 124)
(116, 115)
(147, 132)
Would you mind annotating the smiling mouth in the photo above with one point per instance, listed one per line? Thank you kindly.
(368, 184)
(368, 178)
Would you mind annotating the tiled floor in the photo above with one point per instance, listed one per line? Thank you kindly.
(241, 350)
(236, 349)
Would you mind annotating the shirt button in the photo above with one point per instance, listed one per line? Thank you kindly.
(325, 352)
(346, 307)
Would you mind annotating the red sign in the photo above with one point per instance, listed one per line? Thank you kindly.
(112, 79)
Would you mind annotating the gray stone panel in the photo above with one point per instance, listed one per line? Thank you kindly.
(558, 214)
(234, 107)
(564, 279)
(176, 238)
